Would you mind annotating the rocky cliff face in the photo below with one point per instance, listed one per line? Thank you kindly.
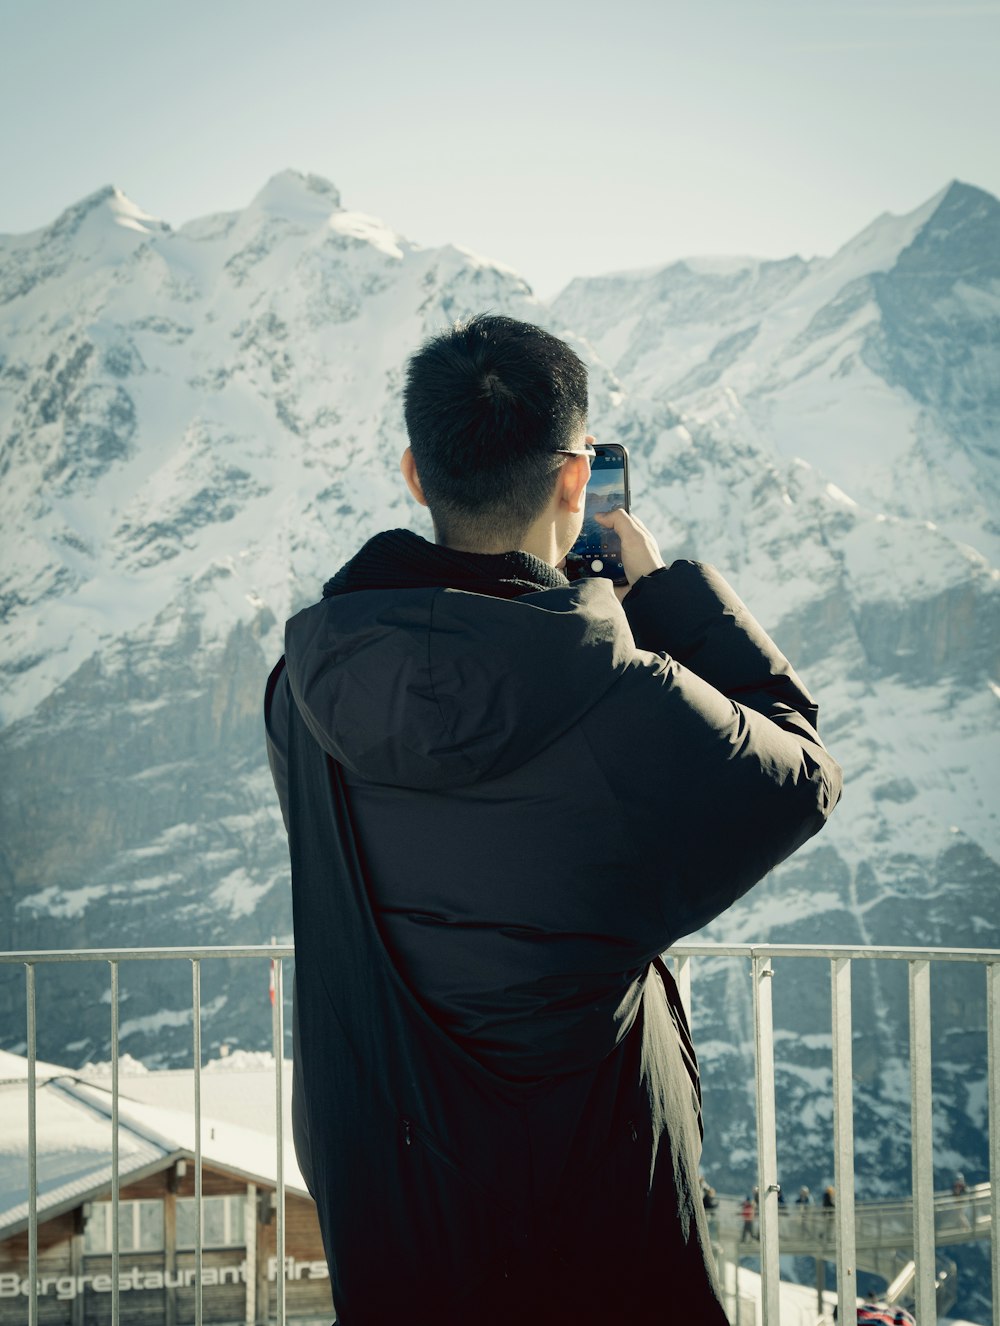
(197, 426)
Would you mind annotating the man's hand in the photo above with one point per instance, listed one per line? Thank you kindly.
(640, 555)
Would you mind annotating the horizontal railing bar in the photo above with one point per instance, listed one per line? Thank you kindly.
(983, 955)
(834, 951)
(151, 954)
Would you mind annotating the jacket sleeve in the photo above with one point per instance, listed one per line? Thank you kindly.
(690, 612)
(277, 698)
(724, 774)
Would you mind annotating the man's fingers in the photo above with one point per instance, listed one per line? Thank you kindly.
(619, 517)
(640, 554)
(621, 521)
(616, 519)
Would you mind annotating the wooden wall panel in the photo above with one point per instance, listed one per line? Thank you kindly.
(51, 1235)
(307, 1292)
(139, 1307)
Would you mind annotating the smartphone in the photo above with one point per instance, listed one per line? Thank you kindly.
(597, 552)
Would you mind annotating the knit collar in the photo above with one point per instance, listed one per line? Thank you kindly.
(400, 559)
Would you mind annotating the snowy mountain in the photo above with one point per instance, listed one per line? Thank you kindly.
(878, 365)
(198, 425)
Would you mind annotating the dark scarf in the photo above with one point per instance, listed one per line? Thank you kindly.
(400, 559)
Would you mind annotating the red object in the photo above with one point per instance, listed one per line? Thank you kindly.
(270, 984)
(875, 1314)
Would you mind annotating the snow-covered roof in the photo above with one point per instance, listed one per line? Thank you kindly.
(14, 1068)
(73, 1129)
(236, 1090)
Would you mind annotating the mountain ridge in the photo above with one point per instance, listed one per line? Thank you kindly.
(198, 425)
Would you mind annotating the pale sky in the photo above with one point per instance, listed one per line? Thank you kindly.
(558, 138)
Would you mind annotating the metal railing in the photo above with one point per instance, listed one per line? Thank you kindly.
(879, 1226)
(922, 1214)
(840, 958)
(114, 957)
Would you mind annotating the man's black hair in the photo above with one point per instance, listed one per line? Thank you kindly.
(488, 404)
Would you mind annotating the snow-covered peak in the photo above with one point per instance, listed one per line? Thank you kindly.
(878, 246)
(106, 225)
(959, 242)
(124, 212)
(103, 230)
(359, 225)
(307, 199)
(101, 213)
(956, 213)
(961, 199)
(874, 364)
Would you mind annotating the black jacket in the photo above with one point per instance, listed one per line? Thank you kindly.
(530, 796)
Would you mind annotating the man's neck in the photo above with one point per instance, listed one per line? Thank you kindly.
(538, 542)
(542, 543)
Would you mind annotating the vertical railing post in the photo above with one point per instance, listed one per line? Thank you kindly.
(199, 1223)
(922, 1143)
(250, 1248)
(29, 974)
(115, 1176)
(278, 1037)
(843, 1129)
(993, 1036)
(767, 1147)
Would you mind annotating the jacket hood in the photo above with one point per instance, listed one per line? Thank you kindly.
(433, 688)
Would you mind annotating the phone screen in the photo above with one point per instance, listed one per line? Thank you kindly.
(597, 552)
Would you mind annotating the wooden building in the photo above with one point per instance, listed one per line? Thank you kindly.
(157, 1208)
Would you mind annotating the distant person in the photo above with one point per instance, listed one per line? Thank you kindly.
(748, 1212)
(829, 1209)
(804, 1203)
(506, 795)
(958, 1190)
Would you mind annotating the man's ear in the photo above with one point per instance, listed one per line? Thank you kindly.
(574, 477)
(408, 469)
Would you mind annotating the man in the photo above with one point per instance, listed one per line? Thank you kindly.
(505, 796)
